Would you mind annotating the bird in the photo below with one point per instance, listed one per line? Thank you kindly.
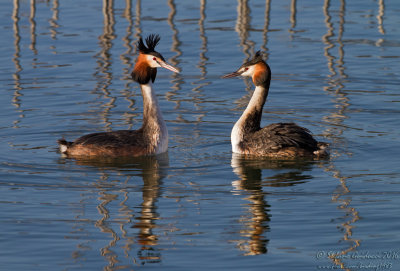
(277, 140)
(152, 137)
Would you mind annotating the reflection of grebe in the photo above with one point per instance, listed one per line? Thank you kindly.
(274, 140)
(152, 137)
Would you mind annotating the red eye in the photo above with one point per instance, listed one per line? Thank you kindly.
(246, 69)
(154, 58)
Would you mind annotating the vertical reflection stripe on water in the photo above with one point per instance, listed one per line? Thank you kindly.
(134, 232)
(336, 81)
(16, 101)
(103, 72)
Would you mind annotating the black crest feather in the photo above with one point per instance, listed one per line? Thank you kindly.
(258, 57)
(151, 42)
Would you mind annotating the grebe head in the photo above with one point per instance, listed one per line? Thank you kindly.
(149, 60)
(255, 68)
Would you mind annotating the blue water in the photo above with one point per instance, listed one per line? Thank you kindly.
(65, 71)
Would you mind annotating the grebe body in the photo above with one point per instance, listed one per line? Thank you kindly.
(278, 140)
(152, 137)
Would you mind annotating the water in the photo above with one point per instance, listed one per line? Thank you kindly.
(65, 72)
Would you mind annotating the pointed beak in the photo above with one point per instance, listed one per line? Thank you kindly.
(167, 66)
(230, 75)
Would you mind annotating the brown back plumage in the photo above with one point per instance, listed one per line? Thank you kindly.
(280, 136)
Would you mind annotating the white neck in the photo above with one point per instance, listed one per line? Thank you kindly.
(153, 122)
(253, 112)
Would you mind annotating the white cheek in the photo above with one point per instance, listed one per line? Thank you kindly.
(246, 73)
(249, 72)
(152, 62)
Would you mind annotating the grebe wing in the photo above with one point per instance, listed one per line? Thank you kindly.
(282, 135)
(112, 139)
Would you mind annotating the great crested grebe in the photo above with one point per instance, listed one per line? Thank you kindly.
(279, 140)
(152, 137)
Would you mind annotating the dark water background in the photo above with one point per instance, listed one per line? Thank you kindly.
(65, 72)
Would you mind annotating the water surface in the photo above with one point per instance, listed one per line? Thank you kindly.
(65, 72)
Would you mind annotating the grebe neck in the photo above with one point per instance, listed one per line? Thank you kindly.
(154, 126)
(250, 120)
